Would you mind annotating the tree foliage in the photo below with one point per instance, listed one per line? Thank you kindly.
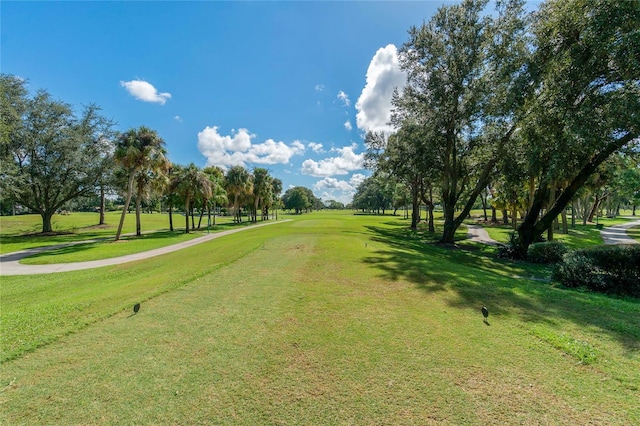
(49, 154)
(142, 154)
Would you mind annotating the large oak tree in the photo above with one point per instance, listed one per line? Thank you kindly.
(50, 155)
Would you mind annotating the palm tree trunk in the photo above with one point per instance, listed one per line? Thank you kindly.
(126, 204)
(186, 215)
(138, 203)
(201, 214)
(170, 215)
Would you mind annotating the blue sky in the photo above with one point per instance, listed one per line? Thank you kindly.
(289, 86)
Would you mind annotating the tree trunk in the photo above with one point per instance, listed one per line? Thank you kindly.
(448, 234)
(596, 206)
(186, 215)
(565, 225)
(484, 205)
(138, 202)
(552, 199)
(170, 214)
(201, 214)
(573, 215)
(126, 204)
(102, 205)
(494, 215)
(46, 220)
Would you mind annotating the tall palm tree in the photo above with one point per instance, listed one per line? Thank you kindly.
(276, 190)
(138, 151)
(261, 190)
(238, 184)
(192, 184)
(218, 193)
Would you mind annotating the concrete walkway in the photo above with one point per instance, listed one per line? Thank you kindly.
(10, 262)
(478, 234)
(617, 234)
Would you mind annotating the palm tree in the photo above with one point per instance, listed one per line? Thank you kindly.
(239, 184)
(218, 194)
(261, 190)
(192, 184)
(138, 151)
(276, 190)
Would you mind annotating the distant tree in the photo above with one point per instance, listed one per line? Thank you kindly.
(375, 193)
(296, 199)
(218, 193)
(140, 152)
(48, 155)
(192, 183)
(334, 205)
(261, 191)
(276, 190)
(239, 184)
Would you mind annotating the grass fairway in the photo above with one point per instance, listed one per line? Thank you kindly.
(329, 319)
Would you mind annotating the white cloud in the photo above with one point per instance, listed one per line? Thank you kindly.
(341, 165)
(299, 146)
(145, 91)
(339, 190)
(374, 103)
(347, 125)
(178, 118)
(319, 87)
(357, 179)
(316, 147)
(330, 183)
(344, 98)
(237, 149)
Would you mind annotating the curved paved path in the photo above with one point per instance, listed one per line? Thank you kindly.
(9, 263)
(617, 234)
(478, 234)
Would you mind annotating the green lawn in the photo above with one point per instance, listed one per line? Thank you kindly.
(17, 234)
(332, 318)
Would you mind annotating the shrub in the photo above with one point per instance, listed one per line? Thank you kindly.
(547, 252)
(511, 249)
(607, 269)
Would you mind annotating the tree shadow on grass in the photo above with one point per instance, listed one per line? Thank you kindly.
(478, 278)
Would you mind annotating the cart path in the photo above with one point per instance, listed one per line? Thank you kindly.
(617, 234)
(10, 262)
(478, 234)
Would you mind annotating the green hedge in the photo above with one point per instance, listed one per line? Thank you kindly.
(608, 269)
(546, 252)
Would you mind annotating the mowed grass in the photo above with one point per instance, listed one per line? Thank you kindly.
(83, 240)
(328, 319)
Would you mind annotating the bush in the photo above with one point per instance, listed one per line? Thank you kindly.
(510, 250)
(608, 269)
(547, 252)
